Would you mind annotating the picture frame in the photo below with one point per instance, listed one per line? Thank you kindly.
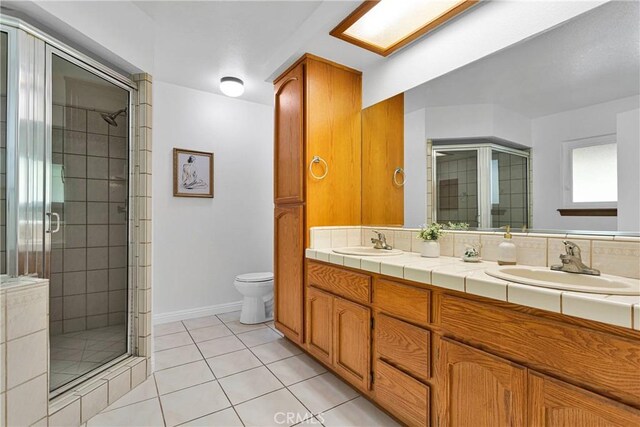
(192, 173)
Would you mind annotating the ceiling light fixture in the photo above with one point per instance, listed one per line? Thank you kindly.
(384, 26)
(232, 86)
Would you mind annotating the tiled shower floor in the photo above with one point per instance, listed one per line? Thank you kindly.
(214, 371)
(76, 353)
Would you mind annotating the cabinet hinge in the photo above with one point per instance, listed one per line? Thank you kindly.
(372, 322)
(371, 379)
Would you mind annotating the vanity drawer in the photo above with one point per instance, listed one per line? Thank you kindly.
(403, 345)
(403, 301)
(347, 284)
(403, 396)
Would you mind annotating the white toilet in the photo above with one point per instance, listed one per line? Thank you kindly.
(257, 290)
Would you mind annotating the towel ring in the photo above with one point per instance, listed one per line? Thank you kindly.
(395, 177)
(318, 159)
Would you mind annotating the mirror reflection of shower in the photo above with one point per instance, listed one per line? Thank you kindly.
(111, 117)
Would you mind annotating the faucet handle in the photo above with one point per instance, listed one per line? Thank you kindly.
(572, 249)
(381, 236)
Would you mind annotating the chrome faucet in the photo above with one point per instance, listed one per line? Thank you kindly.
(572, 261)
(380, 242)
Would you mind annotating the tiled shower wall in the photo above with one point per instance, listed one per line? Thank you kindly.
(89, 253)
(511, 208)
(457, 181)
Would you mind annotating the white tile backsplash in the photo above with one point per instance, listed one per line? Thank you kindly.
(402, 240)
(619, 258)
(339, 238)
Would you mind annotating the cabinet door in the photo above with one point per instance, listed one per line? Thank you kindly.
(289, 137)
(478, 389)
(352, 348)
(288, 271)
(555, 403)
(319, 320)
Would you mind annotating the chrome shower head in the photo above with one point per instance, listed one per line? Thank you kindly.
(111, 117)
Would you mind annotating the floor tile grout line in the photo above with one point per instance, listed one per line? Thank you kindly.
(216, 378)
(207, 415)
(285, 386)
(307, 379)
(155, 382)
(257, 397)
(184, 388)
(272, 391)
(334, 407)
(105, 410)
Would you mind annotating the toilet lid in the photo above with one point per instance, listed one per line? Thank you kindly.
(255, 277)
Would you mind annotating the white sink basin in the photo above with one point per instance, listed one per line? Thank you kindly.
(367, 251)
(543, 276)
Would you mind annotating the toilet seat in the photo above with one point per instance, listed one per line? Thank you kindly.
(255, 277)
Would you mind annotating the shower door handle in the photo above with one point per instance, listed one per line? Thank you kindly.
(52, 215)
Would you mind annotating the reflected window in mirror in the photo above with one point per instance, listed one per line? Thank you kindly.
(591, 173)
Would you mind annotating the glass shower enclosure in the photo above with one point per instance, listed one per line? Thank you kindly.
(483, 185)
(66, 129)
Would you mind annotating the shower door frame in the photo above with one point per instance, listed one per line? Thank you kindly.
(29, 127)
(81, 61)
(483, 193)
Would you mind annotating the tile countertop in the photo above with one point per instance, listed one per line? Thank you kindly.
(455, 274)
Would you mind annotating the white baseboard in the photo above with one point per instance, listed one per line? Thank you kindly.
(191, 313)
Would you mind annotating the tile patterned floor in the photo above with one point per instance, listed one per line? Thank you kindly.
(215, 371)
(76, 353)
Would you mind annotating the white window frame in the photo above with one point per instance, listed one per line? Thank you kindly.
(567, 167)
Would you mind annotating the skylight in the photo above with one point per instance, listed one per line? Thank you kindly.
(387, 25)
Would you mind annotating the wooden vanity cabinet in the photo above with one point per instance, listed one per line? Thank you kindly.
(319, 329)
(352, 342)
(317, 113)
(289, 271)
(553, 403)
(338, 330)
(289, 137)
(479, 389)
(444, 358)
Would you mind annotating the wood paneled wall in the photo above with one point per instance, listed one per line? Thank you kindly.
(382, 153)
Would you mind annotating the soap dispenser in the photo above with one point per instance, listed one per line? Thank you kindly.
(507, 249)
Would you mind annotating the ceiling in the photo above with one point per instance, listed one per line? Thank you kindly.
(197, 43)
(591, 59)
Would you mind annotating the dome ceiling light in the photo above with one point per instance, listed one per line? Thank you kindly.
(232, 86)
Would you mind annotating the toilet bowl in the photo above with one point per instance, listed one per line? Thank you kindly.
(257, 292)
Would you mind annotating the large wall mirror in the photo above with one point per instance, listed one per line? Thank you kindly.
(544, 135)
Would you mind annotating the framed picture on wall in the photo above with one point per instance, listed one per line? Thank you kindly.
(192, 173)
